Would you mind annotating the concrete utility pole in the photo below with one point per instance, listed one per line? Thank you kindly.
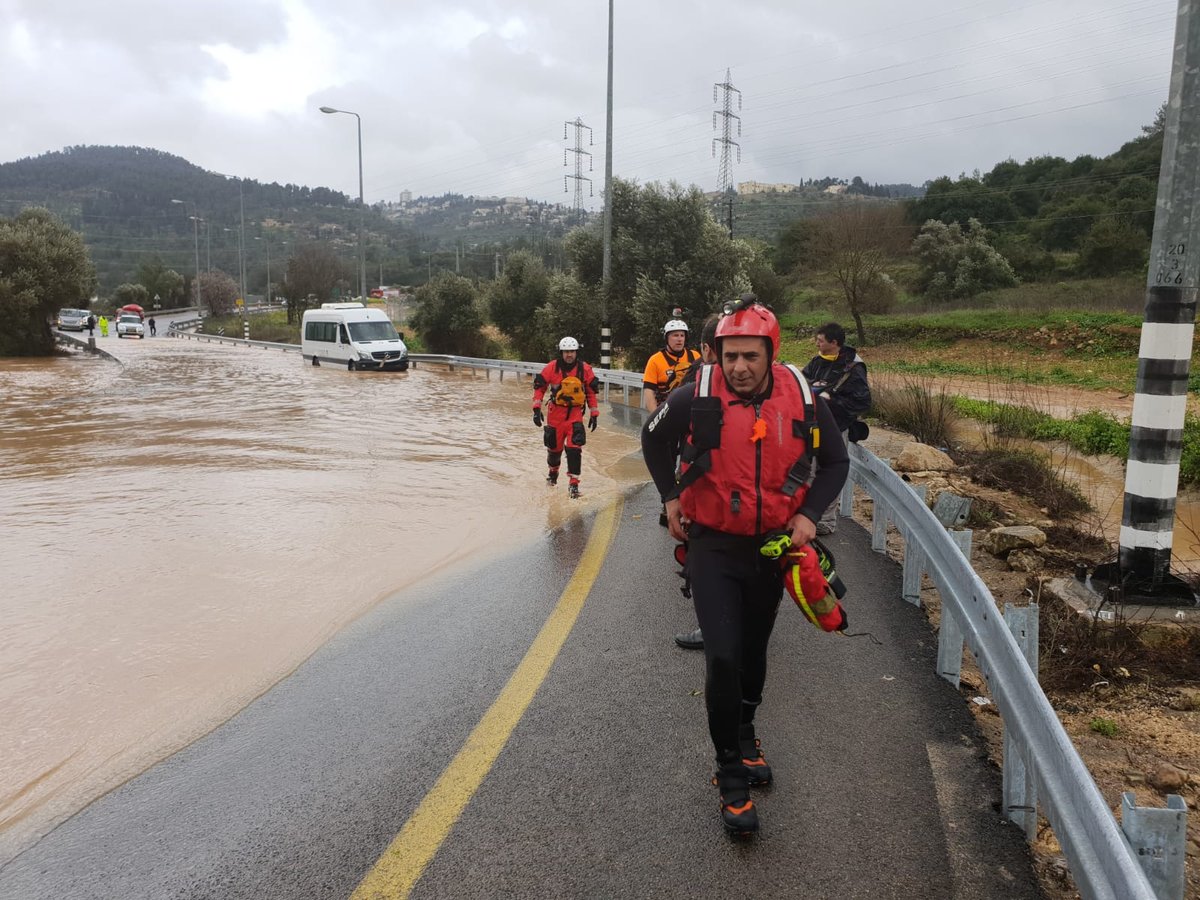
(1160, 401)
(606, 270)
(580, 153)
(728, 144)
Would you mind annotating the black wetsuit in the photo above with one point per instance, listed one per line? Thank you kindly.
(735, 590)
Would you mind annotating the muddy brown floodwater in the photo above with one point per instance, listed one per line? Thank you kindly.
(183, 528)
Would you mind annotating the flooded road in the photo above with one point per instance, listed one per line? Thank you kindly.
(184, 528)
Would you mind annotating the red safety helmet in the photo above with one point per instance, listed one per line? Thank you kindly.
(746, 317)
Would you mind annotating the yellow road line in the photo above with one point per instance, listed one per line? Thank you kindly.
(396, 872)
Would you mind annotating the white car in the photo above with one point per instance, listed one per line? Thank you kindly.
(130, 325)
(72, 319)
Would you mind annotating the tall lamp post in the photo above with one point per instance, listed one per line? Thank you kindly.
(196, 220)
(362, 208)
(267, 243)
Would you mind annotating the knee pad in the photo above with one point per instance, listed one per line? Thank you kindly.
(549, 437)
(574, 460)
(553, 460)
(578, 434)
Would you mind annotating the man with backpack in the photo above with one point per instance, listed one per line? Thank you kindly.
(839, 376)
(571, 384)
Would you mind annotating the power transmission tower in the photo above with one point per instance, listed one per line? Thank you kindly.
(728, 144)
(580, 153)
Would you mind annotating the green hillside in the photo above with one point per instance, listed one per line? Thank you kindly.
(120, 200)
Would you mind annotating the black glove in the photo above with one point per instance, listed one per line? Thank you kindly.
(592, 421)
(537, 418)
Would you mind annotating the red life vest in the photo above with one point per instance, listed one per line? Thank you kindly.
(572, 387)
(745, 470)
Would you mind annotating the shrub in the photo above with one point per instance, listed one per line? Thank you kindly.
(1112, 247)
(959, 263)
(1031, 475)
(1106, 727)
(447, 314)
(1094, 433)
(928, 417)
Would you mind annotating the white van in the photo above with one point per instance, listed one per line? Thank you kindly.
(352, 335)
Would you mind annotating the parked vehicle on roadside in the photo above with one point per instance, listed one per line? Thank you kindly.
(129, 325)
(72, 319)
(352, 335)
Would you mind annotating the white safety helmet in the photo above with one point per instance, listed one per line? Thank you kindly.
(675, 325)
(568, 343)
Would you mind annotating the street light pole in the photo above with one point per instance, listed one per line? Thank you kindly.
(267, 243)
(362, 207)
(196, 240)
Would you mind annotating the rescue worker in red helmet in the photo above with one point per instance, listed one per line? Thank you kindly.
(753, 429)
(571, 384)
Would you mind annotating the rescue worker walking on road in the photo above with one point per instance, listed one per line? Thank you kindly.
(753, 428)
(571, 384)
(667, 369)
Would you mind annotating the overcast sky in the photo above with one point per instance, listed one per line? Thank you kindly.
(471, 96)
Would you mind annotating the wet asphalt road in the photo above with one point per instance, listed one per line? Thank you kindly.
(602, 791)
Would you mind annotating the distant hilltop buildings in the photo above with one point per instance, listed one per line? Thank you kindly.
(761, 187)
(454, 212)
(856, 186)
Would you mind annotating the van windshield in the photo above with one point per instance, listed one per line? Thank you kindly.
(363, 332)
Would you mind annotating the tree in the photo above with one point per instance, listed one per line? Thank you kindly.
(571, 308)
(44, 266)
(447, 315)
(858, 240)
(1159, 125)
(513, 300)
(961, 200)
(1112, 247)
(798, 248)
(959, 263)
(158, 280)
(668, 235)
(127, 294)
(218, 291)
(1061, 225)
(770, 287)
(313, 270)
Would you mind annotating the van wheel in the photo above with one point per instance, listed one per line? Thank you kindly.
(350, 365)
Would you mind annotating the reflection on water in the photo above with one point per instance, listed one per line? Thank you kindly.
(182, 530)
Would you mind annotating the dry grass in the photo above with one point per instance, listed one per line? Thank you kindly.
(929, 416)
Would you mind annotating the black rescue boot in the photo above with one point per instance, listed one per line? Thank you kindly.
(738, 814)
(573, 490)
(758, 773)
(552, 478)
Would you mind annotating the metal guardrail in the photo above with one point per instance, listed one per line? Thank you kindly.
(630, 383)
(174, 331)
(1040, 761)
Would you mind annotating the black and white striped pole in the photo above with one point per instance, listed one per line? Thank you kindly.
(606, 347)
(1165, 353)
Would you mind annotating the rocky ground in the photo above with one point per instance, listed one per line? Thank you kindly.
(1129, 696)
